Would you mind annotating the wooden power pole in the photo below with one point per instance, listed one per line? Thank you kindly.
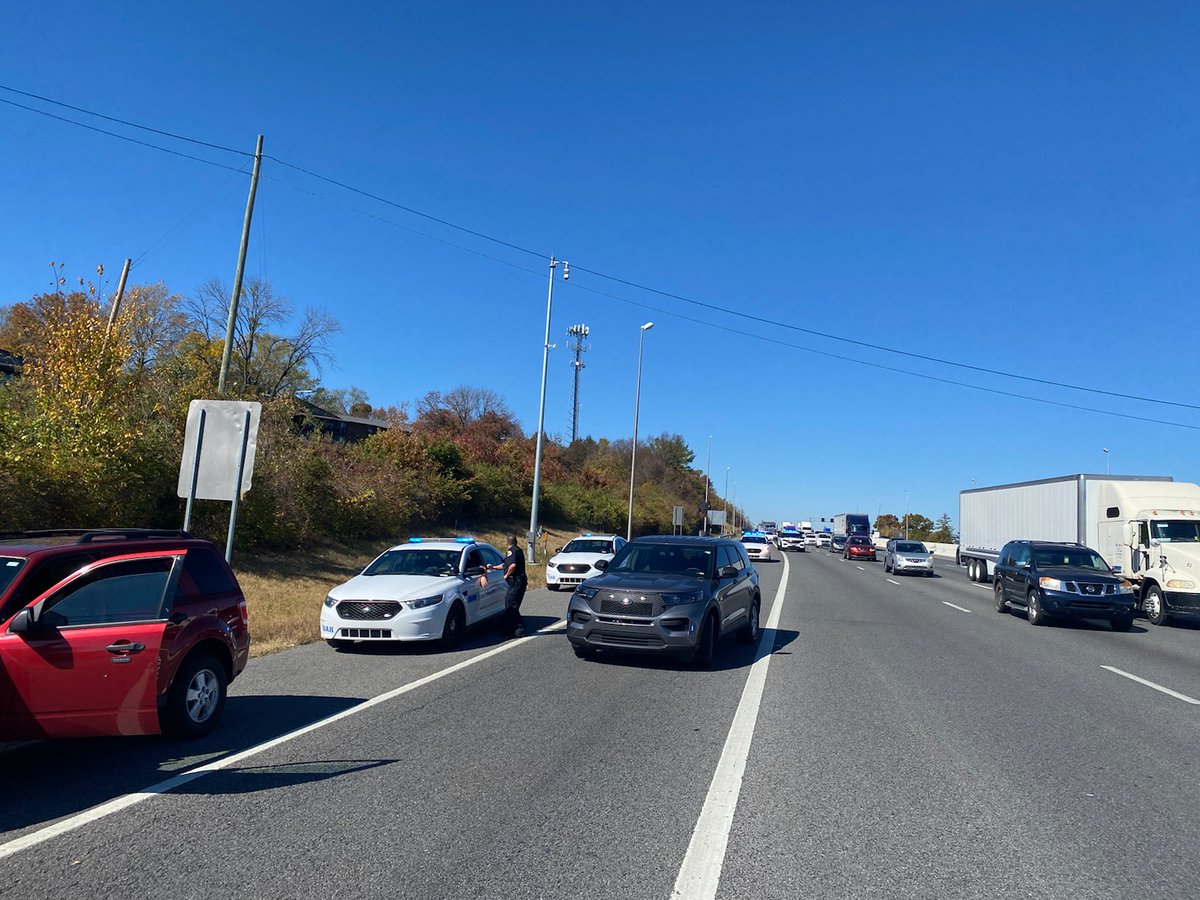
(241, 268)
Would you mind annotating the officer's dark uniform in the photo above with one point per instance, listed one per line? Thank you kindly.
(517, 582)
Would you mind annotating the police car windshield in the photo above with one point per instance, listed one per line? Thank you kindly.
(415, 562)
(588, 545)
(753, 539)
(663, 559)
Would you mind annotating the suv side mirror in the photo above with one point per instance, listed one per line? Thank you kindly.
(729, 572)
(1023, 564)
(601, 564)
(558, 549)
(23, 622)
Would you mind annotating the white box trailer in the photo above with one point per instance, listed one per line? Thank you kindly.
(1147, 527)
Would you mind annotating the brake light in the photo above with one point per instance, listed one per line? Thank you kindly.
(244, 613)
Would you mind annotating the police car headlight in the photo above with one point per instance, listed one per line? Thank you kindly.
(551, 565)
(680, 599)
(329, 601)
(423, 602)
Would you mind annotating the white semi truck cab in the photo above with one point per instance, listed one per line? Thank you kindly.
(1156, 545)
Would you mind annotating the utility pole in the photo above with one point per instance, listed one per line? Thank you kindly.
(531, 537)
(116, 304)
(707, 477)
(579, 332)
(241, 268)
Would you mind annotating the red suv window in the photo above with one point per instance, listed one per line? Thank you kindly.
(129, 591)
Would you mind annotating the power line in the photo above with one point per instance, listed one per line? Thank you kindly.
(123, 137)
(626, 282)
(90, 112)
(912, 355)
(873, 365)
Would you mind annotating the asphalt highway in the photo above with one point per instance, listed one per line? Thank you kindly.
(889, 737)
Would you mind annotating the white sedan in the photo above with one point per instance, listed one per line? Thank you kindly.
(757, 546)
(576, 562)
(426, 590)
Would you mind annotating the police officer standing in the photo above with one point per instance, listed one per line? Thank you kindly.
(514, 574)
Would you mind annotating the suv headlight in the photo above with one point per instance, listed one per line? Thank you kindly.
(329, 601)
(1051, 584)
(585, 593)
(423, 602)
(680, 599)
(1124, 588)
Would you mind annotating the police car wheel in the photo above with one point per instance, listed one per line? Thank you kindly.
(456, 624)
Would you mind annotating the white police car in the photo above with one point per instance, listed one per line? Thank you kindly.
(757, 545)
(425, 590)
(576, 562)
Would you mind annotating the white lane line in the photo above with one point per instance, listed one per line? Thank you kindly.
(982, 587)
(1158, 687)
(860, 568)
(955, 606)
(701, 870)
(117, 804)
(889, 581)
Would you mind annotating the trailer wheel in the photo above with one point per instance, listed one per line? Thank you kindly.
(973, 570)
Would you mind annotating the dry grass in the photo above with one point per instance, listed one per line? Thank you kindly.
(284, 590)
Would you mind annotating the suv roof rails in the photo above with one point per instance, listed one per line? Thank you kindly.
(131, 534)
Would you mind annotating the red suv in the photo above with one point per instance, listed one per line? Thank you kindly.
(116, 631)
(859, 547)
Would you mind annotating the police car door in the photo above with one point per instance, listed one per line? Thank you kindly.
(492, 599)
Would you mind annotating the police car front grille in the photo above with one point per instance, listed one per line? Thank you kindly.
(574, 568)
(366, 632)
(368, 609)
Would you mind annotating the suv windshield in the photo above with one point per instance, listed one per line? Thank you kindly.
(1177, 532)
(415, 562)
(9, 567)
(1069, 557)
(910, 547)
(588, 545)
(858, 541)
(663, 559)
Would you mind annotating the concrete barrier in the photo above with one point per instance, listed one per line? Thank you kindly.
(942, 551)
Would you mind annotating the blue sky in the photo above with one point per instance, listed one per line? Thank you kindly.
(1008, 185)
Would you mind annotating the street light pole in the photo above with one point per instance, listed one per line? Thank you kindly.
(637, 401)
(735, 509)
(725, 494)
(707, 478)
(531, 538)
(906, 515)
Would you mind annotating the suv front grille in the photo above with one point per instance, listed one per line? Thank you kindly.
(368, 609)
(617, 607)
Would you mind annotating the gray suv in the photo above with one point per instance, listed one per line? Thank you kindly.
(667, 595)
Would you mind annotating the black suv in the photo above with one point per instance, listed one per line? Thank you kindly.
(1068, 581)
(667, 595)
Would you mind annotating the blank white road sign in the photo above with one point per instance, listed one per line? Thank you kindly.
(220, 448)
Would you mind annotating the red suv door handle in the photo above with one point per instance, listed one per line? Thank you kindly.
(125, 647)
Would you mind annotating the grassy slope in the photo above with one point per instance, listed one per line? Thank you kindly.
(284, 590)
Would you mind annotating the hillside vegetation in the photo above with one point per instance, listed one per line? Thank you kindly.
(91, 433)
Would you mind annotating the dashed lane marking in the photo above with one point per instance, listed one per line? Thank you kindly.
(889, 581)
(1150, 684)
(955, 606)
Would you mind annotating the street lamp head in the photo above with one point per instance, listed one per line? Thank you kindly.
(1105, 449)
(566, 270)
(647, 326)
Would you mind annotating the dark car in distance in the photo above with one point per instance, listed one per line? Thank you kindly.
(116, 632)
(1061, 581)
(859, 547)
(667, 595)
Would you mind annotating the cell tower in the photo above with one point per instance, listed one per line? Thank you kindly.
(580, 333)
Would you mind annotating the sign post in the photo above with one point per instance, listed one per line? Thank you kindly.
(221, 439)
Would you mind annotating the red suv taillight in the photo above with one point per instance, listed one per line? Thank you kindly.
(244, 613)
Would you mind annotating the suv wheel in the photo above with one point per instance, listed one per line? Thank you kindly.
(1034, 611)
(1001, 603)
(196, 698)
(749, 634)
(706, 647)
(1156, 608)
